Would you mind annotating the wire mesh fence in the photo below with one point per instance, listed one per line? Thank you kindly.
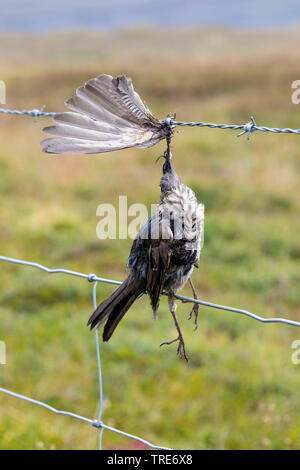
(98, 423)
(247, 128)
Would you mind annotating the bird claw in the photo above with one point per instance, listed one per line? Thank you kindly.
(169, 342)
(181, 347)
(195, 311)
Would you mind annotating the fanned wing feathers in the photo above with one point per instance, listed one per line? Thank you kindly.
(107, 115)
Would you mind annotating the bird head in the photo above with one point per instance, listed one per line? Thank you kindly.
(170, 180)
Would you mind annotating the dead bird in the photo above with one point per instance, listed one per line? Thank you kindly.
(107, 114)
(162, 257)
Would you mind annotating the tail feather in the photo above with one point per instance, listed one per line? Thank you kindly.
(114, 308)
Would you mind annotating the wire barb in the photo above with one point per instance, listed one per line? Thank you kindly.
(170, 121)
(249, 127)
(35, 113)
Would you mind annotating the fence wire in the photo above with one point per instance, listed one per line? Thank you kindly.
(98, 423)
(36, 113)
(247, 128)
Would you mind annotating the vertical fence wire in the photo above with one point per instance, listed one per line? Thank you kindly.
(99, 370)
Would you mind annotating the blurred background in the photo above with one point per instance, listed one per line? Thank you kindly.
(214, 62)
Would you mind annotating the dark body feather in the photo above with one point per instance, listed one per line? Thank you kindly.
(163, 253)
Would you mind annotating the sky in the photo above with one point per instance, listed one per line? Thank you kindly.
(42, 16)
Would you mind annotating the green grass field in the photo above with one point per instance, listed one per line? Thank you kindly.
(240, 389)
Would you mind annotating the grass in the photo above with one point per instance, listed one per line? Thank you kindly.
(240, 389)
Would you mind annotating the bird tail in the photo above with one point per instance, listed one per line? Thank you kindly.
(114, 308)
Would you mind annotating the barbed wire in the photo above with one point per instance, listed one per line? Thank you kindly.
(36, 113)
(98, 423)
(247, 128)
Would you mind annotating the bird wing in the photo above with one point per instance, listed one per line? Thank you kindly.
(157, 238)
(107, 114)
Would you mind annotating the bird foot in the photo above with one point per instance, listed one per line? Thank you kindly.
(195, 311)
(181, 346)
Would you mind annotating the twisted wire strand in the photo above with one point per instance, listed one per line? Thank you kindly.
(95, 279)
(248, 128)
(30, 112)
(234, 127)
(81, 418)
(98, 422)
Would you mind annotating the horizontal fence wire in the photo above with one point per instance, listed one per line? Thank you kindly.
(247, 128)
(94, 278)
(98, 423)
(30, 112)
